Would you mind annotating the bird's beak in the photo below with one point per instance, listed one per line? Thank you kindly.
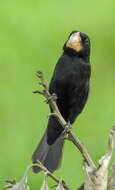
(74, 42)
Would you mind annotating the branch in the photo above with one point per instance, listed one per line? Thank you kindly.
(97, 179)
(23, 185)
(62, 121)
(111, 182)
(48, 173)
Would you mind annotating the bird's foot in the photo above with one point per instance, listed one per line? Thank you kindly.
(52, 97)
(68, 127)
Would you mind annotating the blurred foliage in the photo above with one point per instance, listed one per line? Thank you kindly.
(32, 34)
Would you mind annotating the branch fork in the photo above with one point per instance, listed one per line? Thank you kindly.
(96, 177)
(61, 120)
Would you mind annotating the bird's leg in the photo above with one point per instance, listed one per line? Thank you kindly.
(64, 135)
(52, 97)
(68, 128)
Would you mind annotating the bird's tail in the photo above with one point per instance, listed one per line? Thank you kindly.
(49, 155)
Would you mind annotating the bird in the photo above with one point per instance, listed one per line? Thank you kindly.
(71, 84)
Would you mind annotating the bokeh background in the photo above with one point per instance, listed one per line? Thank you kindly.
(32, 34)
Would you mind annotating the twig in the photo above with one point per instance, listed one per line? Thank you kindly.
(62, 121)
(98, 179)
(52, 176)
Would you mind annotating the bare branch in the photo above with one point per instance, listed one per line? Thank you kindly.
(38, 92)
(62, 121)
(52, 114)
(97, 179)
(52, 176)
(111, 182)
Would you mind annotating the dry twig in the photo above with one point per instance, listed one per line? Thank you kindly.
(61, 120)
(48, 173)
(96, 178)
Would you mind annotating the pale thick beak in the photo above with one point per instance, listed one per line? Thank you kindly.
(75, 37)
(74, 42)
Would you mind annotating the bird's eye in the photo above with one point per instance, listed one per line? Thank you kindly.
(86, 41)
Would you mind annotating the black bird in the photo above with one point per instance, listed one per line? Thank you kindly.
(70, 82)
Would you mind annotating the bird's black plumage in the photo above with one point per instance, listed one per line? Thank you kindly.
(70, 82)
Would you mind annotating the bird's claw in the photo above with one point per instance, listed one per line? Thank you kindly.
(52, 97)
(68, 127)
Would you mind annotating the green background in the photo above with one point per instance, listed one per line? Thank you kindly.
(32, 34)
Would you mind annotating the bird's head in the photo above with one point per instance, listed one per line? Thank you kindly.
(78, 44)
